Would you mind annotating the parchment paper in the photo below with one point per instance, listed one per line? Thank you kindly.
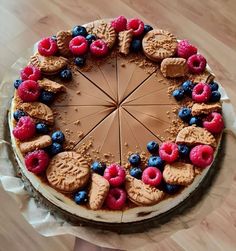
(48, 224)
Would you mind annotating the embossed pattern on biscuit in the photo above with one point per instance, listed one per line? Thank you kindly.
(63, 40)
(38, 111)
(51, 86)
(193, 135)
(174, 67)
(140, 193)
(198, 109)
(39, 142)
(125, 38)
(68, 172)
(98, 191)
(179, 173)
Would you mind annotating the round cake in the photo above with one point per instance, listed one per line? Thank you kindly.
(115, 122)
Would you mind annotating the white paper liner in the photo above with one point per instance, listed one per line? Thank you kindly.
(48, 224)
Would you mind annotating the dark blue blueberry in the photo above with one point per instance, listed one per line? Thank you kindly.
(187, 86)
(134, 159)
(81, 197)
(18, 114)
(80, 61)
(47, 97)
(214, 86)
(58, 136)
(178, 94)
(215, 96)
(66, 75)
(90, 38)
(156, 161)
(195, 121)
(147, 28)
(136, 45)
(17, 83)
(54, 148)
(171, 189)
(183, 150)
(185, 114)
(42, 128)
(79, 31)
(98, 167)
(152, 147)
(136, 172)
(54, 38)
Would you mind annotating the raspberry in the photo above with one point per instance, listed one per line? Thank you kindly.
(25, 128)
(115, 174)
(201, 155)
(185, 49)
(119, 23)
(201, 93)
(152, 176)
(29, 91)
(136, 25)
(98, 48)
(78, 45)
(196, 63)
(47, 47)
(116, 198)
(169, 152)
(30, 73)
(214, 122)
(36, 161)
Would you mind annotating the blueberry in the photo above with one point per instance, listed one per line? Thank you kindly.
(17, 83)
(54, 148)
(185, 114)
(80, 61)
(215, 96)
(54, 38)
(58, 137)
(98, 167)
(18, 114)
(79, 31)
(195, 121)
(90, 38)
(152, 147)
(171, 189)
(178, 94)
(66, 75)
(134, 159)
(214, 86)
(147, 28)
(187, 86)
(136, 172)
(46, 97)
(42, 128)
(156, 161)
(136, 45)
(81, 197)
(183, 150)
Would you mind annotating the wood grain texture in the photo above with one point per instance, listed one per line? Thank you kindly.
(211, 25)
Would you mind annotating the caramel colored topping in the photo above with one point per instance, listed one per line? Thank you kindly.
(174, 67)
(125, 38)
(51, 86)
(198, 109)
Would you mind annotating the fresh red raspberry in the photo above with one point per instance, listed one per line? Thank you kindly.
(115, 174)
(29, 91)
(25, 128)
(47, 47)
(152, 176)
(78, 45)
(30, 73)
(116, 198)
(98, 48)
(214, 122)
(168, 152)
(201, 155)
(37, 161)
(119, 23)
(201, 93)
(196, 63)
(185, 49)
(136, 25)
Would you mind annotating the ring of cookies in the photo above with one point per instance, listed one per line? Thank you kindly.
(165, 166)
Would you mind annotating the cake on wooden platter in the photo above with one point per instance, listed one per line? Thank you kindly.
(115, 122)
